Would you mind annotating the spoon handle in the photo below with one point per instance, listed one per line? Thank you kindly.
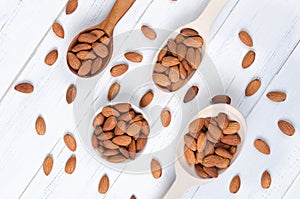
(177, 189)
(118, 11)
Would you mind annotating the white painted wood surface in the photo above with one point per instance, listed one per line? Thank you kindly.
(26, 37)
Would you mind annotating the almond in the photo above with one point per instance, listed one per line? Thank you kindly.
(223, 153)
(145, 128)
(84, 55)
(248, 59)
(110, 145)
(201, 142)
(24, 88)
(277, 96)
(140, 144)
(156, 169)
(189, 32)
(181, 51)
(51, 57)
(196, 125)
(160, 68)
(108, 111)
(200, 172)
(73, 61)
(245, 38)
(170, 61)
(87, 38)
(105, 136)
(253, 87)
(100, 49)
(94, 141)
(162, 53)
(286, 127)
(262, 146)
(266, 180)
(103, 185)
(120, 128)
(232, 128)
(161, 80)
(190, 142)
(146, 99)
(165, 117)
(81, 47)
(124, 152)
(189, 155)
(122, 140)
(71, 6)
(217, 161)
(148, 32)
(172, 46)
(58, 30)
(194, 42)
(191, 94)
(134, 57)
(221, 99)
(191, 57)
(123, 107)
(235, 184)
(118, 70)
(134, 128)
(99, 34)
(113, 91)
(97, 66)
(211, 171)
(40, 125)
(85, 68)
(70, 142)
(110, 123)
(71, 94)
(132, 150)
(179, 38)
(116, 158)
(70, 165)
(215, 132)
(222, 121)
(127, 116)
(110, 152)
(182, 71)
(174, 74)
(48, 165)
(231, 139)
(209, 148)
(233, 150)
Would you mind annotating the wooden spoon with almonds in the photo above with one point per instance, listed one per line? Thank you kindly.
(91, 50)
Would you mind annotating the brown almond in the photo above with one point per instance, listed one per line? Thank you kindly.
(134, 128)
(134, 57)
(223, 153)
(71, 94)
(181, 51)
(235, 184)
(172, 46)
(124, 152)
(233, 150)
(40, 125)
(222, 121)
(58, 30)
(201, 142)
(94, 141)
(122, 140)
(248, 59)
(98, 33)
(140, 144)
(209, 148)
(120, 128)
(146, 99)
(70, 142)
(148, 32)
(71, 6)
(246, 38)
(123, 107)
(116, 158)
(233, 127)
(277, 96)
(110, 123)
(231, 139)
(70, 165)
(24, 88)
(108, 111)
(85, 68)
(156, 169)
(215, 132)
(105, 40)
(190, 142)
(80, 47)
(191, 57)
(165, 117)
(110, 145)
(266, 180)
(253, 87)
(200, 172)
(100, 49)
(194, 42)
(217, 161)
(87, 38)
(262, 146)
(73, 61)
(161, 80)
(103, 184)
(170, 61)
(211, 171)
(118, 70)
(145, 128)
(191, 94)
(174, 74)
(162, 54)
(221, 99)
(222, 145)
(105, 136)
(127, 116)
(132, 150)
(160, 68)
(182, 71)
(179, 38)
(196, 125)
(48, 165)
(83, 55)
(113, 91)
(110, 152)
(189, 155)
(51, 57)
(286, 127)
(189, 32)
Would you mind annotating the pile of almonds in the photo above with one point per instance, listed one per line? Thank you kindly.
(89, 53)
(178, 60)
(120, 132)
(211, 144)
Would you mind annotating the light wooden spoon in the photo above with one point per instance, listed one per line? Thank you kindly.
(186, 177)
(181, 54)
(90, 51)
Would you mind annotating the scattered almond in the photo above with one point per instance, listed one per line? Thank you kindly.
(48, 165)
(134, 57)
(71, 94)
(118, 70)
(71, 6)
(58, 30)
(235, 184)
(248, 59)
(156, 169)
(103, 185)
(277, 96)
(70, 165)
(266, 180)
(146, 99)
(133, 197)
(286, 127)
(165, 117)
(24, 88)
(262, 146)
(246, 38)
(253, 87)
(148, 32)
(191, 94)
(70, 142)
(113, 91)
(40, 125)
(51, 58)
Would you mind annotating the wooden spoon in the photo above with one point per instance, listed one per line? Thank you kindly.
(90, 51)
(181, 55)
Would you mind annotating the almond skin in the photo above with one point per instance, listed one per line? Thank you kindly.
(165, 117)
(70, 142)
(148, 32)
(113, 91)
(170, 61)
(253, 87)
(286, 127)
(70, 165)
(110, 123)
(48, 165)
(134, 57)
(248, 59)
(71, 94)
(221, 99)
(122, 140)
(223, 153)
(156, 169)
(118, 70)
(191, 94)
(24, 88)
(277, 96)
(58, 30)
(266, 180)
(235, 184)
(246, 38)
(40, 125)
(71, 6)
(262, 146)
(146, 99)
(103, 185)
(189, 32)
(194, 42)
(51, 57)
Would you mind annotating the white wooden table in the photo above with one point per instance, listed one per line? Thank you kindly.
(26, 37)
